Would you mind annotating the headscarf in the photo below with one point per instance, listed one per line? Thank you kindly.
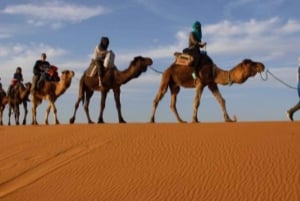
(197, 33)
(104, 42)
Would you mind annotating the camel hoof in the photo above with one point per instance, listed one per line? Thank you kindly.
(100, 121)
(152, 120)
(230, 120)
(122, 121)
(72, 120)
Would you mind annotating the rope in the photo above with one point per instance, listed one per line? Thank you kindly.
(157, 71)
(276, 78)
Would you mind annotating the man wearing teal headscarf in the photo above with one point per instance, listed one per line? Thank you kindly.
(195, 38)
(195, 43)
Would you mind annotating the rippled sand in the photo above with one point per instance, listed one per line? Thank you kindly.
(255, 161)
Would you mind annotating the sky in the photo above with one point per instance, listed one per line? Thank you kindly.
(68, 31)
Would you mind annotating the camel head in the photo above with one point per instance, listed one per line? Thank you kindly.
(66, 77)
(252, 67)
(247, 68)
(140, 64)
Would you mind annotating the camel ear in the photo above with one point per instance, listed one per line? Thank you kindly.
(136, 59)
(247, 61)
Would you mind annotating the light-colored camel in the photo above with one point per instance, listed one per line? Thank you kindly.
(113, 79)
(3, 102)
(50, 91)
(19, 95)
(177, 76)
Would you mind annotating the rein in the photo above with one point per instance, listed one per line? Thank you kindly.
(276, 78)
(155, 70)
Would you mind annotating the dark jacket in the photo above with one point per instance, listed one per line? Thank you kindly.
(18, 77)
(40, 66)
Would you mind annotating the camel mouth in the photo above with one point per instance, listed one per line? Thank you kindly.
(261, 68)
(150, 62)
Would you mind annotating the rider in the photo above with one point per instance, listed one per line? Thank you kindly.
(17, 80)
(195, 43)
(99, 56)
(40, 69)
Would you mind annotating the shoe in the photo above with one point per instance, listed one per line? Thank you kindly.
(289, 116)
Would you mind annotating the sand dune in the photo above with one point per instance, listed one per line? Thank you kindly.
(147, 162)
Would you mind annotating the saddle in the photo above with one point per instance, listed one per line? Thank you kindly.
(92, 70)
(52, 74)
(183, 59)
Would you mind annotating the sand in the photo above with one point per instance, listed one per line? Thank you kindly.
(246, 161)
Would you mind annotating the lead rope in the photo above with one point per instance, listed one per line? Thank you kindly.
(155, 70)
(276, 78)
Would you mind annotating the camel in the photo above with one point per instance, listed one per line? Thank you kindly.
(3, 102)
(113, 79)
(210, 75)
(50, 91)
(20, 94)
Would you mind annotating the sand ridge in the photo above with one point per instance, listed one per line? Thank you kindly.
(166, 161)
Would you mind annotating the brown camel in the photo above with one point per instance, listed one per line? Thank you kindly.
(19, 95)
(50, 91)
(210, 75)
(113, 79)
(3, 102)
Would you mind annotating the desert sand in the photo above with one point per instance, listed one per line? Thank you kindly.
(245, 161)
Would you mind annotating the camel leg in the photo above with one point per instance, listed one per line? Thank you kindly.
(35, 104)
(174, 93)
(215, 91)
(102, 106)
(198, 94)
(117, 93)
(54, 110)
(9, 114)
(25, 112)
(72, 119)
(160, 94)
(1, 114)
(1, 117)
(17, 113)
(33, 113)
(86, 106)
(47, 114)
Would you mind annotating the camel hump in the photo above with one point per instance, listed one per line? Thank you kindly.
(183, 59)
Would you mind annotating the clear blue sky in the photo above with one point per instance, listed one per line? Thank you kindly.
(68, 30)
